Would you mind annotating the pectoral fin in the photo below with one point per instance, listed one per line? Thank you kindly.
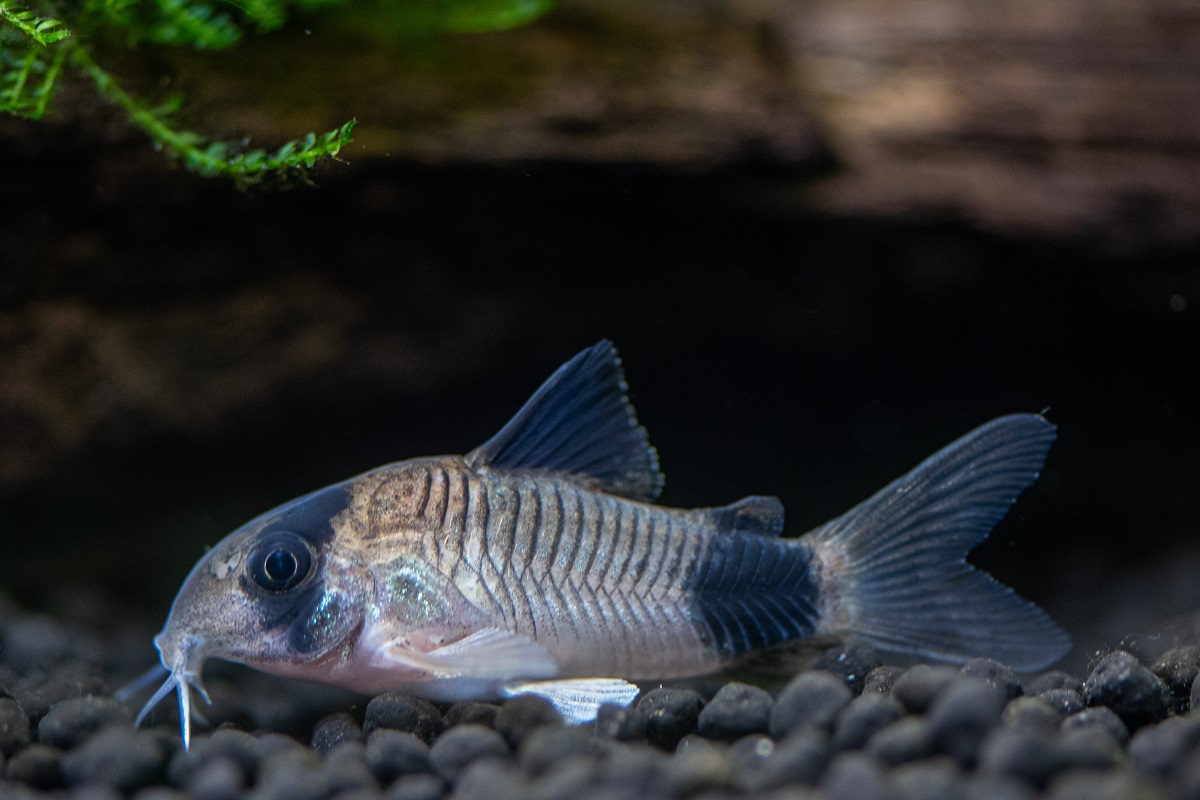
(578, 700)
(487, 653)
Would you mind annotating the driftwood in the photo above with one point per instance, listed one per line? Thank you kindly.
(1063, 118)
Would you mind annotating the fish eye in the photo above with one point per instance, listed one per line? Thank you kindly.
(280, 562)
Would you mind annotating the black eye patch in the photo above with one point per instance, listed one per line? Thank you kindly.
(280, 561)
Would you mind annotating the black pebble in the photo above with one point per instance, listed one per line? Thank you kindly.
(866, 714)
(14, 727)
(978, 786)
(1053, 679)
(124, 758)
(906, 739)
(852, 663)
(403, 712)
(854, 776)
(547, 746)
(69, 722)
(520, 716)
(811, 699)
(962, 715)
(735, 711)
(995, 673)
(1025, 753)
(917, 688)
(291, 774)
(799, 759)
(621, 723)
(219, 778)
(932, 779)
(417, 787)
(458, 747)
(1064, 701)
(1178, 669)
(1088, 747)
(566, 780)
(471, 713)
(670, 715)
(882, 679)
(1134, 693)
(748, 755)
(346, 769)
(1087, 785)
(696, 768)
(1031, 713)
(1157, 750)
(391, 754)
(1104, 717)
(335, 729)
(38, 765)
(34, 641)
(490, 779)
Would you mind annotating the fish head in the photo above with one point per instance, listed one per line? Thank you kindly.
(271, 594)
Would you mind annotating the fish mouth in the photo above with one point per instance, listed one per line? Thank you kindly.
(182, 662)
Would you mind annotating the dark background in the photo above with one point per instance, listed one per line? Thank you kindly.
(769, 350)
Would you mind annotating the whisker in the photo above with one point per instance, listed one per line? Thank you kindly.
(168, 686)
(140, 683)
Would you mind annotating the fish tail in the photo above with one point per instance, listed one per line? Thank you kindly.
(894, 572)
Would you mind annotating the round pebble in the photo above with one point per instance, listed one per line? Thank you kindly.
(620, 723)
(882, 679)
(417, 787)
(547, 746)
(998, 675)
(1026, 753)
(471, 713)
(799, 759)
(917, 687)
(69, 722)
(391, 754)
(220, 778)
(14, 727)
(458, 747)
(670, 715)
(736, 710)
(854, 776)
(962, 715)
(1104, 717)
(1157, 750)
(1177, 668)
(346, 769)
(906, 739)
(1031, 713)
(335, 729)
(932, 779)
(1120, 682)
(489, 779)
(38, 765)
(403, 712)
(1088, 747)
(865, 715)
(812, 699)
(852, 662)
(519, 717)
(1065, 701)
(123, 758)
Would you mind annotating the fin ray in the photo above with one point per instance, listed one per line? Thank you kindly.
(906, 582)
(580, 422)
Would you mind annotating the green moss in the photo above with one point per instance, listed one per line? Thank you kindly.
(42, 41)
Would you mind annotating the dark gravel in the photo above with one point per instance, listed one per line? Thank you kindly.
(852, 729)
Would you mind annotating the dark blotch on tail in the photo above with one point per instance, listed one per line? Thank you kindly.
(753, 592)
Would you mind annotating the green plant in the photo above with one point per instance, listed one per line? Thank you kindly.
(37, 47)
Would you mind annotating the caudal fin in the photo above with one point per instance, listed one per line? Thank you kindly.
(898, 559)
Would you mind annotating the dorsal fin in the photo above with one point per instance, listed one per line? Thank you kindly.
(759, 515)
(581, 423)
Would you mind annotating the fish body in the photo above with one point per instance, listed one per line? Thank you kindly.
(539, 563)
